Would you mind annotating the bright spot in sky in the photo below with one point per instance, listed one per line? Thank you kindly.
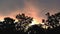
(16, 20)
(34, 22)
(2, 20)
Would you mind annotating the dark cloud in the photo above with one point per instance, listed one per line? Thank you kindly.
(6, 6)
(47, 3)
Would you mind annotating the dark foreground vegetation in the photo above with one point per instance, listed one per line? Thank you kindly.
(9, 24)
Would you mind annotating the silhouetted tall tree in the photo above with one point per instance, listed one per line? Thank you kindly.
(53, 20)
(23, 21)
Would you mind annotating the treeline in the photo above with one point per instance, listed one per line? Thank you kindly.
(9, 24)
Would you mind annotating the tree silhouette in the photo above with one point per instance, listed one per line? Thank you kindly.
(1, 26)
(35, 29)
(23, 21)
(9, 25)
(53, 20)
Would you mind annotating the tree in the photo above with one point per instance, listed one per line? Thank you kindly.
(9, 25)
(23, 21)
(35, 29)
(53, 20)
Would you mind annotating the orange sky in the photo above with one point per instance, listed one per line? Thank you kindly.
(29, 10)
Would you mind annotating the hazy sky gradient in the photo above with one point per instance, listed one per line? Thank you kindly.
(38, 8)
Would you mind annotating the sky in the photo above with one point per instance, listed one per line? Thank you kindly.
(34, 8)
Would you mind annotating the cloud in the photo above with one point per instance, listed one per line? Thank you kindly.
(45, 6)
(7, 6)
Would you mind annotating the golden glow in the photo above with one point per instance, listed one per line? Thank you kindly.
(45, 27)
(35, 21)
(29, 10)
(16, 20)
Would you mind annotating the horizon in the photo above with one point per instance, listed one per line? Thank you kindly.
(34, 8)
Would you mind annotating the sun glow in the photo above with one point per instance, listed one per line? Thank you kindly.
(35, 21)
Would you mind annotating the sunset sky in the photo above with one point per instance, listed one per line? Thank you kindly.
(34, 8)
